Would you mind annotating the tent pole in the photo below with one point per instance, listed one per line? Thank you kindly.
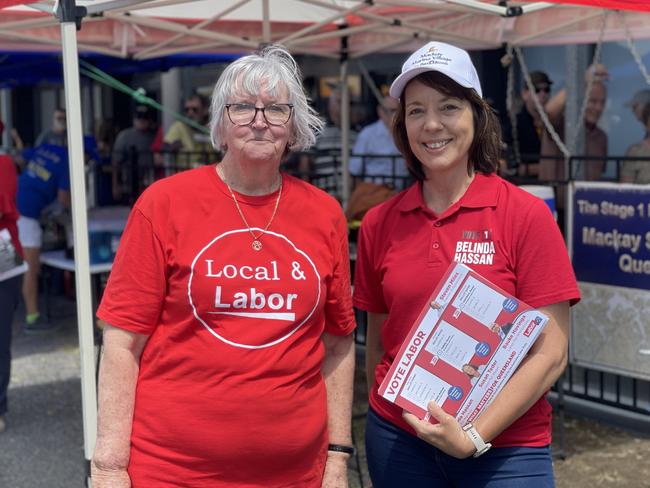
(345, 123)
(6, 117)
(266, 22)
(576, 66)
(68, 14)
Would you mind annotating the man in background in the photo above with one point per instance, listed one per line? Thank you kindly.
(133, 148)
(376, 140)
(638, 171)
(181, 137)
(638, 102)
(57, 135)
(595, 139)
(529, 125)
(552, 165)
(321, 167)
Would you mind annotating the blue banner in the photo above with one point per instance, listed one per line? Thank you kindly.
(611, 234)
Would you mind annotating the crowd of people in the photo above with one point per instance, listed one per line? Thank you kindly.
(228, 352)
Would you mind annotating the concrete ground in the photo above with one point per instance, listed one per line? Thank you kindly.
(43, 444)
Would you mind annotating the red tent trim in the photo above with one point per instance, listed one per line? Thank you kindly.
(11, 3)
(639, 5)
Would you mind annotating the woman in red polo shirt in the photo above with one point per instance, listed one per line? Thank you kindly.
(449, 137)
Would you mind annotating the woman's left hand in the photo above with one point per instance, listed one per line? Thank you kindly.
(336, 471)
(447, 435)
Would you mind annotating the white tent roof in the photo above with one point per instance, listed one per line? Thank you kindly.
(145, 29)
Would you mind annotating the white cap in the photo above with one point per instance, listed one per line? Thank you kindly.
(444, 58)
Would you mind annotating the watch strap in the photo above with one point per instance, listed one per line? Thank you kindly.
(481, 446)
(340, 448)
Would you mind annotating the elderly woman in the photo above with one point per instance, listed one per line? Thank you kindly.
(449, 137)
(229, 357)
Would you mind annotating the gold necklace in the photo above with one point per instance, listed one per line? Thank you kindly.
(257, 244)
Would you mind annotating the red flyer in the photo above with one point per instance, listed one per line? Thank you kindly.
(463, 347)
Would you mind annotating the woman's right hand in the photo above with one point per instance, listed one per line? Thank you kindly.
(109, 477)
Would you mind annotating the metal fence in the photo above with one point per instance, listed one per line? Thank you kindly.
(323, 169)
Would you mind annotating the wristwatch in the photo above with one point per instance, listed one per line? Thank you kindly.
(481, 446)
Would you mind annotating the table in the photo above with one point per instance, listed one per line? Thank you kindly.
(57, 259)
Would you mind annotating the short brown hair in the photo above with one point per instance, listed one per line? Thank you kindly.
(485, 151)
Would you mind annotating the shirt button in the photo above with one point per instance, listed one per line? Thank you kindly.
(437, 224)
(436, 245)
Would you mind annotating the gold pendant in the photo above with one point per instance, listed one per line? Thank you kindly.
(257, 245)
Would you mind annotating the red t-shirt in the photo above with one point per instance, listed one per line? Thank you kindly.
(8, 211)
(230, 391)
(500, 231)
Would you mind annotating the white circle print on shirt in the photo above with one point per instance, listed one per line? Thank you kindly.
(253, 299)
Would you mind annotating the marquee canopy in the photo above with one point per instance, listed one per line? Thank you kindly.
(154, 28)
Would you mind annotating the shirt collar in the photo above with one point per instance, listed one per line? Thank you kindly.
(482, 192)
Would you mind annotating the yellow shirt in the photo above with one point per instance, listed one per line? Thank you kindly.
(196, 144)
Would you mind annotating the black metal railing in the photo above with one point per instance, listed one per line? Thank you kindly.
(610, 389)
(323, 169)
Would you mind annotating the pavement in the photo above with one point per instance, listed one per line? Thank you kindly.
(43, 443)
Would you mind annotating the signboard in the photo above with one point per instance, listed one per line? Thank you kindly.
(609, 241)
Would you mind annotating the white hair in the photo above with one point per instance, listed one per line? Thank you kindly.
(274, 68)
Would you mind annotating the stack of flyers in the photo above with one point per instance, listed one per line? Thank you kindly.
(463, 347)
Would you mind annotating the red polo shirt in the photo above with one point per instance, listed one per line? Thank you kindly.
(499, 230)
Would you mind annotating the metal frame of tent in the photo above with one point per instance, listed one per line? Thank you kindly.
(382, 25)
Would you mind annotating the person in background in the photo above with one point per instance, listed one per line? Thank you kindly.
(552, 169)
(376, 139)
(105, 136)
(132, 156)
(12, 267)
(45, 181)
(638, 171)
(229, 358)
(183, 138)
(321, 167)
(529, 125)
(552, 164)
(57, 135)
(16, 139)
(450, 139)
(638, 102)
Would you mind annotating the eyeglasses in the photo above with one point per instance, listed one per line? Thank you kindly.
(545, 89)
(245, 113)
(192, 109)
